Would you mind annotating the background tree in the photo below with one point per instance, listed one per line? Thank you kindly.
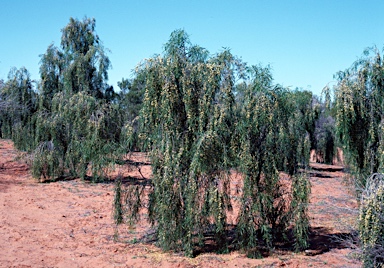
(85, 59)
(52, 66)
(131, 95)
(359, 113)
(81, 65)
(78, 124)
(130, 100)
(324, 140)
(359, 103)
(273, 138)
(19, 100)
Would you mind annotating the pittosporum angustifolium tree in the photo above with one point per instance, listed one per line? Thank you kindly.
(187, 120)
(196, 133)
(77, 125)
(273, 138)
(83, 133)
(359, 104)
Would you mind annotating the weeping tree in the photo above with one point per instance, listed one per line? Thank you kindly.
(19, 103)
(187, 120)
(83, 136)
(79, 65)
(359, 104)
(130, 100)
(78, 125)
(273, 138)
(196, 133)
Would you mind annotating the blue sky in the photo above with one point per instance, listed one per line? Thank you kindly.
(305, 42)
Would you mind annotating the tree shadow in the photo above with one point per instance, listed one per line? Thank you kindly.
(319, 175)
(327, 168)
(320, 242)
(126, 180)
(133, 181)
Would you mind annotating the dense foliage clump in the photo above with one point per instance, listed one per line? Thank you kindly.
(273, 138)
(371, 222)
(69, 124)
(359, 103)
(359, 106)
(19, 103)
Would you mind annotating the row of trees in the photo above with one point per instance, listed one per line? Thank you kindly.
(201, 117)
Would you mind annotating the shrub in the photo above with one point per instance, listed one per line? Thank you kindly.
(371, 222)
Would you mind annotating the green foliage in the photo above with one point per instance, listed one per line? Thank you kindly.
(18, 106)
(81, 65)
(85, 133)
(200, 122)
(187, 119)
(371, 222)
(71, 125)
(273, 138)
(47, 162)
(131, 102)
(131, 95)
(299, 206)
(76, 112)
(86, 61)
(325, 133)
(359, 106)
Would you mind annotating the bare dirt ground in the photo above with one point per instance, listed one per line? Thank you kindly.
(70, 224)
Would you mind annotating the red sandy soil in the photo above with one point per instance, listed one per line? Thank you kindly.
(70, 224)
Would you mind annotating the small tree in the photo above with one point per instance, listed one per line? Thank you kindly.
(77, 115)
(19, 104)
(273, 138)
(187, 120)
(359, 106)
(84, 134)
